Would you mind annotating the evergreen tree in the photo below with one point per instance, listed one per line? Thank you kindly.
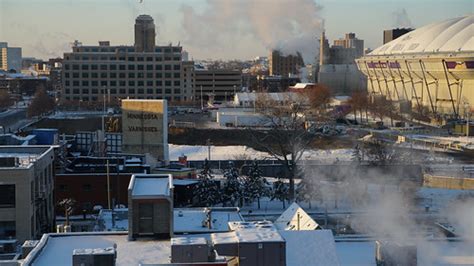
(280, 191)
(207, 191)
(233, 187)
(256, 186)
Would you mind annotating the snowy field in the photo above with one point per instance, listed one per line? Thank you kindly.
(244, 152)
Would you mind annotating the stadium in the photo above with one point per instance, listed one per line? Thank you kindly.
(430, 69)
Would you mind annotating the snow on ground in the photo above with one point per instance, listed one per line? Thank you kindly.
(243, 152)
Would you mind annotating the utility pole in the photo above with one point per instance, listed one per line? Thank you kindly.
(208, 143)
(108, 186)
(202, 107)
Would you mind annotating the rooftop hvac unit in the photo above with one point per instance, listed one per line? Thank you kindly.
(94, 257)
(27, 247)
(9, 161)
(190, 249)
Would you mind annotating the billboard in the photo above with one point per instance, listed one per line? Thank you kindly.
(145, 127)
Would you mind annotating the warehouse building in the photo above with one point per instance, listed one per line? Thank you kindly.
(142, 71)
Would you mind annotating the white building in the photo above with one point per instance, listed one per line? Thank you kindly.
(430, 67)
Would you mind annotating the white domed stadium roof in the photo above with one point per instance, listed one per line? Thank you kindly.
(453, 35)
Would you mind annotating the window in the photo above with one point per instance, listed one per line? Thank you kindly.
(85, 67)
(131, 83)
(7, 229)
(149, 75)
(85, 75)
(140, 83)
(122, 83)
(113, 75)
(122, 67)
(113, 67)
(159, 67)
(177, 91)
(140, 67)
(130, 58)
(85, 83)
(103, 67)
(87, 187)
(75, 67)
(159, 91)
(94, 83)
(177, 83)
(75, 75)
(149, 83)
(167, 67)
(103, 83)
(131, 91)
(131, 75)
(103, 75)
(149, 91)
(176, 67)
(140, 58)
(94, 67)
(131, 67)
(149, 67)
(167, 82)
(168, 91)
(122, 91)
(140, 75)
(176, 75)
(7, 196)
(140, 91)
(113, 83)
(94, 75)
(85, 91)
(159, 75)
(122, 75)
(149, 59)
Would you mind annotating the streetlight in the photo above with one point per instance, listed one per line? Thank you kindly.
(467, 113)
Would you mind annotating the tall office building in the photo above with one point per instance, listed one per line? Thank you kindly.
(10, 57)
(143, 71)
(284, 65)
(390, 35)
(144, 34)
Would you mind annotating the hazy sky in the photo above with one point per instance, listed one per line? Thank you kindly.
(215, 29)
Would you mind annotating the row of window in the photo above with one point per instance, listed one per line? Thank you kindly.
(168, 98)
(124, 49)
(122, 75)
(124, 67)
(122, 83)
(124, 91)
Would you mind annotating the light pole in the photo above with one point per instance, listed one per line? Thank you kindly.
(467, 112)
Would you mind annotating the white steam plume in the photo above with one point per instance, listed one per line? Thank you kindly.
(289, 26)
(401, 19)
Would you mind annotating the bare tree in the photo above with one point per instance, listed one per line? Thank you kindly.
(286, 136)
(41, 103)
(359, 102)
(5, 100)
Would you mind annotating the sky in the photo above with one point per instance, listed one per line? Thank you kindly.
(214, 29)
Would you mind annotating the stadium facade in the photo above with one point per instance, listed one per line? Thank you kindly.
(430, 68)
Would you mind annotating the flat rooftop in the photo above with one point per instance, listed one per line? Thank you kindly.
(26, 154)
(150, 186)
(58, 249)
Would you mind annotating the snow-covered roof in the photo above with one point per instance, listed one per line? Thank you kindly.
(295, 217)
(57, 249)
(302, 85)
(188, 241)
(311, 248)
(185, 220)
(150, 186)
(275, 96)
(192, 220)
(453, 35)
(248, 232)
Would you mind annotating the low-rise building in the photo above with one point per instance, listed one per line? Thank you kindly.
(26, 191)
(218, 84)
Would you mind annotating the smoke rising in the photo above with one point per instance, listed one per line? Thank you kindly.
(289, 26)
(401, 19)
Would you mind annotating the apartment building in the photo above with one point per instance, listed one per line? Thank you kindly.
(10, 57)
(26, 191)
(141, 71)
